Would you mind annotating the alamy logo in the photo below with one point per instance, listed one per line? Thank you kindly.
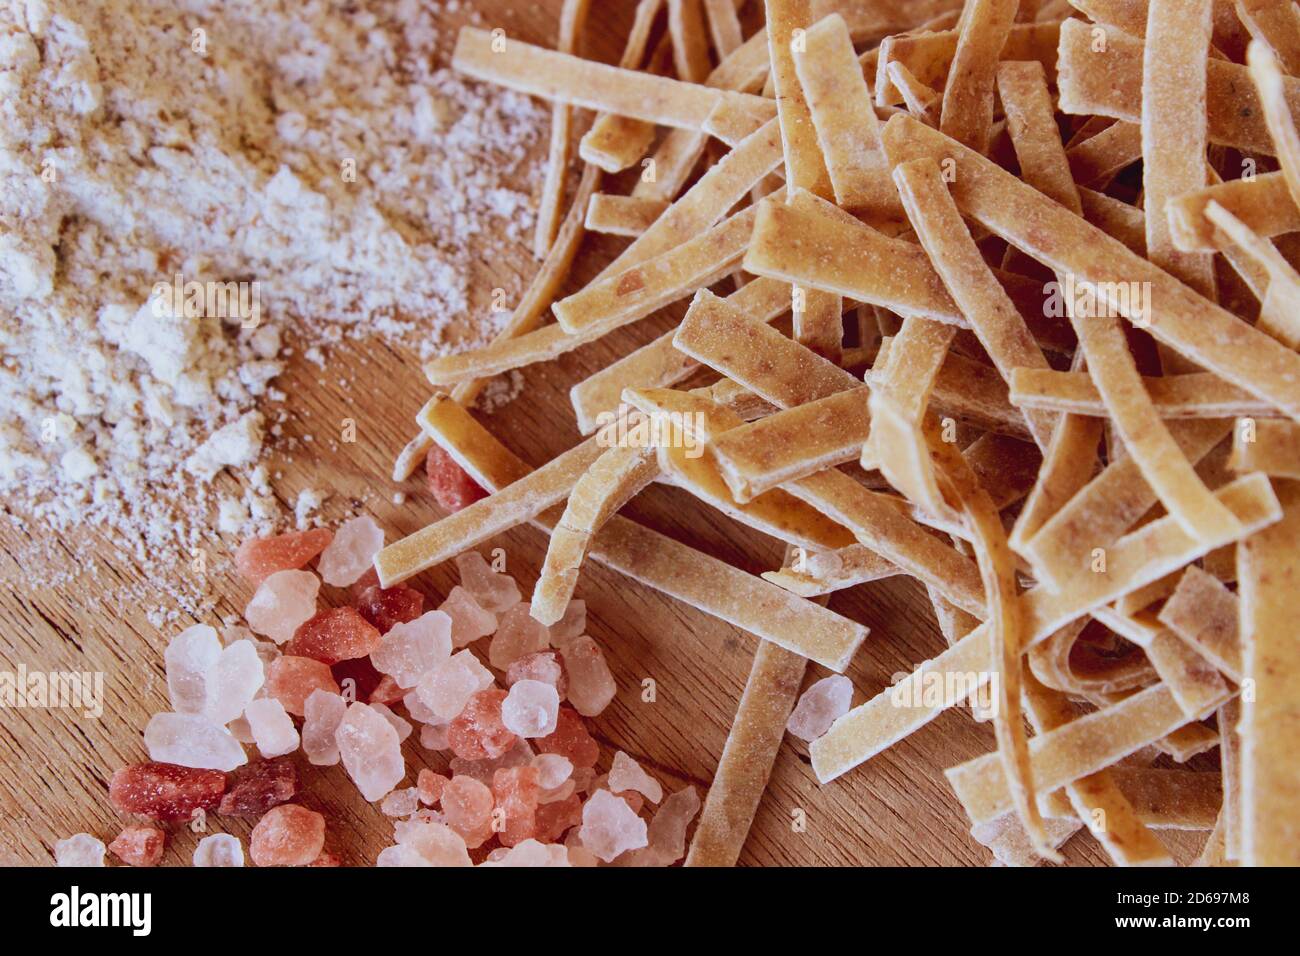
(82, 691)
(208, 300)
(74, 909)
(1085, 299)
(665, 430)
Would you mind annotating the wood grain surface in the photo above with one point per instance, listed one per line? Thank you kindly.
(895, 810)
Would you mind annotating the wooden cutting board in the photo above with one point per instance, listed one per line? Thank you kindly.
(895, 810)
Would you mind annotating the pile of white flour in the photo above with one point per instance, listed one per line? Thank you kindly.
(309, 154)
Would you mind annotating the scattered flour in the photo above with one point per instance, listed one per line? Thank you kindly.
(187, 183)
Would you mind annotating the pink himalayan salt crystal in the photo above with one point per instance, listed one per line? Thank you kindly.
(387, 691)
(627, 774)
(165, 791)
(323, 712)
(385, 607)
(609, 827)
(434, 737)
(430, 786)
(371, 751)
(469, 620)
(192, 741)
(80, 849)
(571, 740)
(556, 818)
(571, 625)
(257, 787)
(591, 686)
(289, 835)
(519, 755)
(339, 634)
(515, 793)
(578, 855)
(467, 807)
(435, 842)
(562, 792)
(632, 798)
(272, 727)
(237, 676)
(219, 849)
(410, 650)
(291, 680)
(553, 770)
(518, 634)
(403, 727)
(477, 732)
(531, 853)
(139, 845)
(452, 486)
(282, 603)
(823, 703)
(494, 592)
(352, 552)
(447, 688)
(531, 709)
(666, 835)
(258, 558)
(190, 658)
(400, 803)
(544, 666)
(326, 858)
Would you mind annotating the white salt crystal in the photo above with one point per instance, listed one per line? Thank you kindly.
(321, 717)
(371, 752)
(219, 849)
(190, 740)
(543, 666)
(81, 849)
(272, 727)
(469, 620)
(493, 591)
(281, 603)
(400, 803)
(518, 634)
(411, 649)
(418, 709)
(436, 842)
(351, 552)
(435, 736)
(821, 705)
(591, 685)
(530, 853)
(552, 770)
(668, 828)
(531, 709)
(235, 680)
(609, 827)
(571, 625)
(400, 856)
(667, 832)
(447, 688)
(627, 774)
(402, 726)
(190, 657)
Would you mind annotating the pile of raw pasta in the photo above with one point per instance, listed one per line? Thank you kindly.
(1037, 263)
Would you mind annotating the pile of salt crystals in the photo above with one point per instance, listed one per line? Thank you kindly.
(522, 787)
